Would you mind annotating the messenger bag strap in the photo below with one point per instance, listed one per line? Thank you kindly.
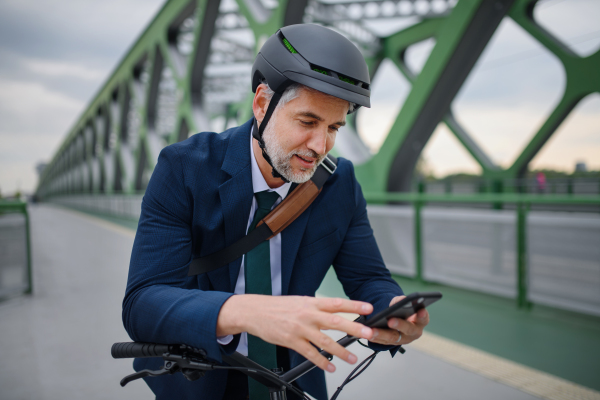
(276, 221)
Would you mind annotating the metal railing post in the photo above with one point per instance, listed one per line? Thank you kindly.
(20, 207)
(497, 187)
(418, 241)
(522, 273)
(569, 185)
(28, 239)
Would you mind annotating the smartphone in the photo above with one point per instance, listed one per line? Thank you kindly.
(403, 309)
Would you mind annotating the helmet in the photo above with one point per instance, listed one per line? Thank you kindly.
(313, 56)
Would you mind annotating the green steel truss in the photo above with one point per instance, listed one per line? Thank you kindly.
(190, 71)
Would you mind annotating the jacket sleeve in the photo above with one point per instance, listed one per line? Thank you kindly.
(359, 265)
(162, 304)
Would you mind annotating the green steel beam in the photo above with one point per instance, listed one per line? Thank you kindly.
(207, 29)
(154, 38)
(460, 39)
(105, 140)
(397, 197)
(467, 46)
(414, 34)
(582, 76)
(484, 161)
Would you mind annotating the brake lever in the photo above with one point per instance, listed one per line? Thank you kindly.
(168, 368)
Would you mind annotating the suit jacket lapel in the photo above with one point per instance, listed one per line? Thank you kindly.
(290, 242)
(236, 195)
(236, 198)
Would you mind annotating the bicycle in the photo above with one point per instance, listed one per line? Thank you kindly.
(193, 364)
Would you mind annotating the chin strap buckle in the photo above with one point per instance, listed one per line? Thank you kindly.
(328, 164)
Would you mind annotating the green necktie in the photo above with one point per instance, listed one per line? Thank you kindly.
(258, 281)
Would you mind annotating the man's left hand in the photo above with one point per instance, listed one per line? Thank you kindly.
(402, 331)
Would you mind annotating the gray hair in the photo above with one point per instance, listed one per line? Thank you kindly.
(293, 91)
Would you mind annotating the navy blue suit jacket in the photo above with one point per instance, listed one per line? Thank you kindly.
(197, 202)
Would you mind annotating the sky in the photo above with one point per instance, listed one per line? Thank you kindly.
(56, 54)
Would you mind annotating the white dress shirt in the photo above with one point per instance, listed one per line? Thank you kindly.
(259, 185)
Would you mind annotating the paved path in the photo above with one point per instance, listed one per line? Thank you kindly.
(56, 343)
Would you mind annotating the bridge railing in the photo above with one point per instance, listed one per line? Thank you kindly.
(560, 186)
(128, 206)
(15, 249)
(512, 248)
(535, 257)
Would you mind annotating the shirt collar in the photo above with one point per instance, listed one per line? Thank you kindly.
(258, 180)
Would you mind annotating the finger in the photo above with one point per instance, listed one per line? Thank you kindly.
(406, 327)
(388, 337)
(334, 305)
(421, 318)
(309, 352)
(326, 343)
(338, 323)
(396, 299)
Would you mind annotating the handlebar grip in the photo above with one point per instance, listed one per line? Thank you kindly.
(138, 350)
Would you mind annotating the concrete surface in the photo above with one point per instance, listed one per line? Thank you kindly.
(56, 343)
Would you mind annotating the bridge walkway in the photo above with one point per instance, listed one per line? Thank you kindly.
(58, 340)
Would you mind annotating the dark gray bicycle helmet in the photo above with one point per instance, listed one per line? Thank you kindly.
(313, 56)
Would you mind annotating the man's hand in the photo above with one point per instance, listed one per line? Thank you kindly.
(402, 331)
(295, 322)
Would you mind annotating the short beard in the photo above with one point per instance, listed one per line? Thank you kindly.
(281, 159)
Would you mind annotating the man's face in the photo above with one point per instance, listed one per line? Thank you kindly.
(301, 133)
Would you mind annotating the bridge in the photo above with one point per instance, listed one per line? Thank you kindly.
(520, 270)
(58, 339)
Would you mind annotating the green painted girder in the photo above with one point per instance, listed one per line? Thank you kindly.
(415, 34)
(582, 79)
(105, 153)
(125, 163)
(110, 99)
(479, 155)
(406, 139)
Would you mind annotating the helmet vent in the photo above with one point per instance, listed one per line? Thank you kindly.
(341, 77)
(346, 79)
(321, 71)
(289, 46)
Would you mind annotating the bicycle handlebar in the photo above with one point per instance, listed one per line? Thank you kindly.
(138, 350)
(193, 363)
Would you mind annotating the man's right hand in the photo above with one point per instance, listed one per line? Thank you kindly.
(295, 322)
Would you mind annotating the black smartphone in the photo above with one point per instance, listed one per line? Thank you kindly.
(403, 309)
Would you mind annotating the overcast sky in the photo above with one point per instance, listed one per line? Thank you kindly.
(56, 54)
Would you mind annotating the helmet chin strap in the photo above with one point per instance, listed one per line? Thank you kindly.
(257, 133)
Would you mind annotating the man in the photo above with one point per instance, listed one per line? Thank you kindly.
(208, 191)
